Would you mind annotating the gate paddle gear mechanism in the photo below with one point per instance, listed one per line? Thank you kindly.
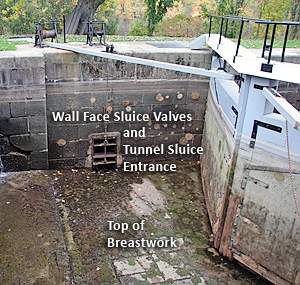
(41, 33)
(97, 28)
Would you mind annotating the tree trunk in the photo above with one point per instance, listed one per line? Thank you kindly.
(84, 10)
(295, 16)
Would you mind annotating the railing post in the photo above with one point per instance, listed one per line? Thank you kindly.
(210, 20)
(284, 42)
(221, 30)
(265, 41)
(239, 40)
(272, 42)
(64, 28)
(226, 27)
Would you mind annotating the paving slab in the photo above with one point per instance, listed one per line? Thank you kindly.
(128, 267)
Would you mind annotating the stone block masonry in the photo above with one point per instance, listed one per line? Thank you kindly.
(23, 124)
(36, 82)
(69, 141)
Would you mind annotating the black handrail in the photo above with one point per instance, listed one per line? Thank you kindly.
(275, 23)
(268, 23)
(272, 43)
(239, 39)
(221, 30)
(284, 42)
(265, 40)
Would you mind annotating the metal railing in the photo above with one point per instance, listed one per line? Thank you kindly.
(243, 20)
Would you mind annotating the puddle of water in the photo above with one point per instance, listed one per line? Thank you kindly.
(2, 173)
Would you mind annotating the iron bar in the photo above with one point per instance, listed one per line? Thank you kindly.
(277, 22)
(235, 18)
(64, 28)
(272, 42)
(257, 21)
(226, 27)
(265, 40)
(284, 42)
(210, 20)
(239, 40)
(221, 29)
(104, 32)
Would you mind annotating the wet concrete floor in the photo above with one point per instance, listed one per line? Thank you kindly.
(54, 230)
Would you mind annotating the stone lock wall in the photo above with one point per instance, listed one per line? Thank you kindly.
(39, 81)
(23, 132)
(33, 86)
(68, 142)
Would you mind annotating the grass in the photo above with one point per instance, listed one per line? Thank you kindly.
(258, 43)
(6, 45)
(116, 38)
(248, 43)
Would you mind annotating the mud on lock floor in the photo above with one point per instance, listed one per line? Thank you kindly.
(53, 229)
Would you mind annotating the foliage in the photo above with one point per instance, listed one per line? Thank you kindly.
(164, 17)
(272, 10)
(156, 10)
(180, 26)
(295, 16)
(138, 28)
(107, 12)
(223, 8)
(18, 16)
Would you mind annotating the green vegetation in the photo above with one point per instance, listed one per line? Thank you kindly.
(258, 43)
(108, 13)
(138, 28)
(18, 16)
(129, 20)
(156, 10)
(115, 38)
(176, 18)
(180, 25)
(6, 45)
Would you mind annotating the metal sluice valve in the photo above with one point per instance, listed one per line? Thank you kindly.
(41, 33)
(97, 28)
